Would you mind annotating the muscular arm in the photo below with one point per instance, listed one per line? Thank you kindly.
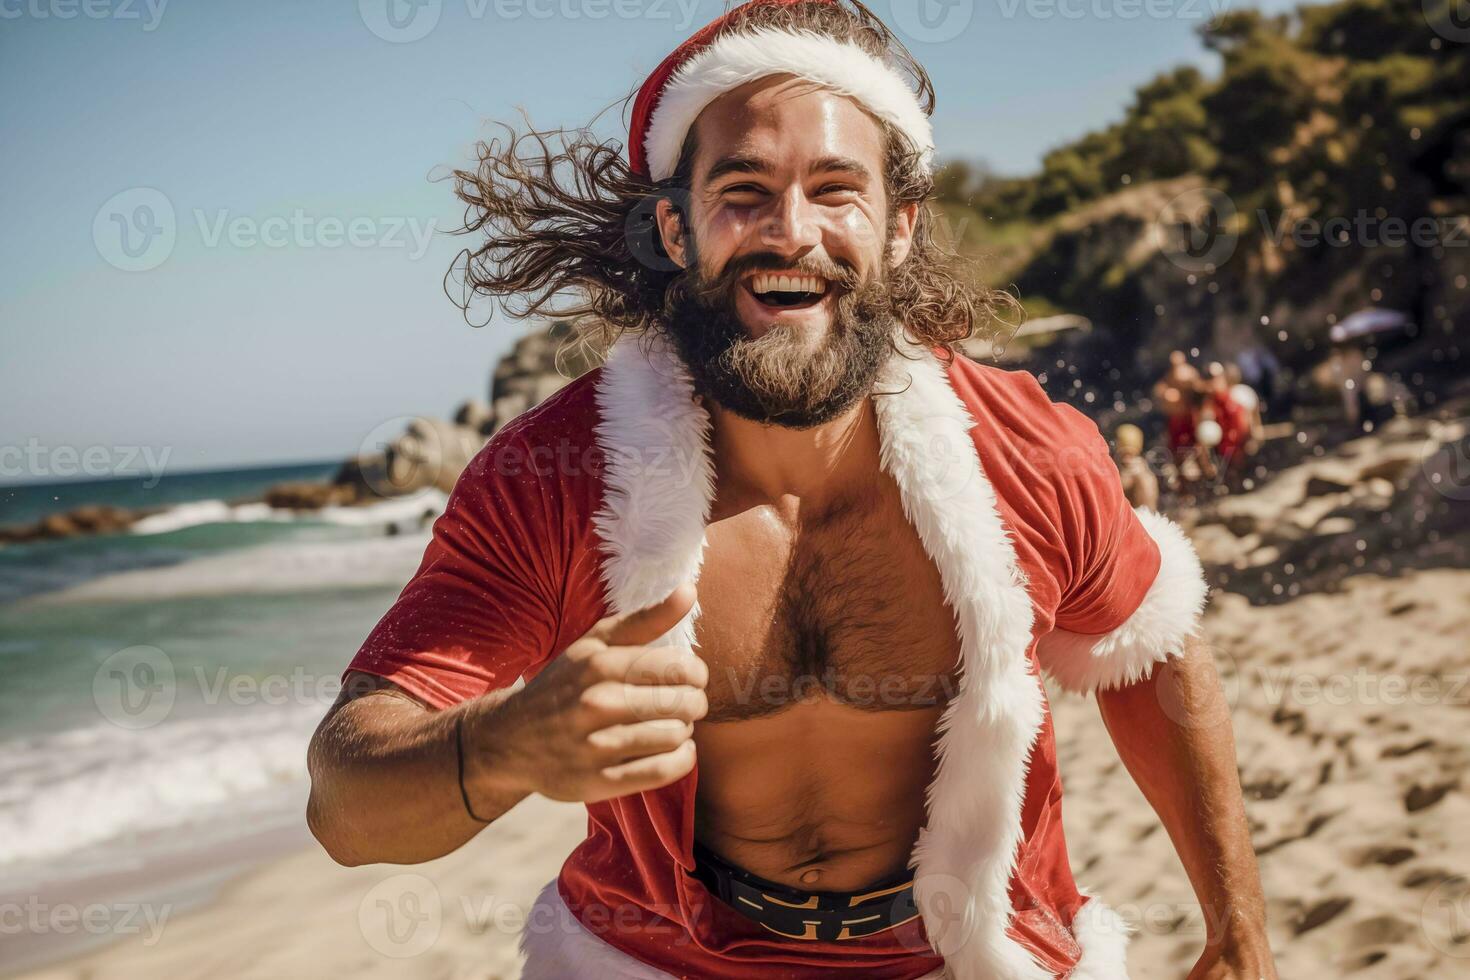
(385, 775)
(605, 718)
(1173, 733)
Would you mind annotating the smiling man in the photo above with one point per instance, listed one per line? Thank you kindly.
(771, 591)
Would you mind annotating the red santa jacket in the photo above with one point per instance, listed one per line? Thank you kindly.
(596, 502)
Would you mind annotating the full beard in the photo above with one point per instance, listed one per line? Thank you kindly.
(778, 378)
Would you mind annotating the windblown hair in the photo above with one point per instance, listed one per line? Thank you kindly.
(570, 232)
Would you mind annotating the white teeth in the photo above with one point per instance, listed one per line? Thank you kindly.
(767, 282)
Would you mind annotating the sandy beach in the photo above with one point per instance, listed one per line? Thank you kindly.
(1348, 701)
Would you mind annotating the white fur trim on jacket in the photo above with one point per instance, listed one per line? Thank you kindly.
(660, 486)
(1156, 630)
(738, 58)
(1103, 936)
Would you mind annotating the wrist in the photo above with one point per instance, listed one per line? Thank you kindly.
(1241, 941)
(490, 780)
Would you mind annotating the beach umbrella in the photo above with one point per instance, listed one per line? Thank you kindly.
(1367, 322)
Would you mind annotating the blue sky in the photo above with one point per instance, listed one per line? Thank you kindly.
(298, 305)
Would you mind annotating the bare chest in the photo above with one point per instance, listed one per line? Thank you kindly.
(848, 608)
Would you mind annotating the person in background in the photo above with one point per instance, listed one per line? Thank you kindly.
(1250, 402)
(1175, 395)
(1140, 485)
(1234, 421)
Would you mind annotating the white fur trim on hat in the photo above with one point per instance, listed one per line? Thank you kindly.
(1156, 631)
(738, 58)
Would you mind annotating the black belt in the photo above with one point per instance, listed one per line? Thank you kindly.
(796, 914)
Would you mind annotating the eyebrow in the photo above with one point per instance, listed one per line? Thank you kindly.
(757, 165)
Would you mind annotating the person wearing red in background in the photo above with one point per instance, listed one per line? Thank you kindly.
(1233, 418)
(1175, 394)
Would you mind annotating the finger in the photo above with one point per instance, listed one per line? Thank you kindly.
(613, 703)
(650, 666)
(623, 743)
(650, 772)
(643, 626)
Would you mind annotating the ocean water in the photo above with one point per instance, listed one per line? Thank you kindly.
(162, 684)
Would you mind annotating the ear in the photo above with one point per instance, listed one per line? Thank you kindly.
(671, 230)
(903, 233)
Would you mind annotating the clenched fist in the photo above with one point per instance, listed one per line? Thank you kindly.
(609, 717)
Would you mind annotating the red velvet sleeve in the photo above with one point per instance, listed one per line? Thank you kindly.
(483, 607)
(1112, 559)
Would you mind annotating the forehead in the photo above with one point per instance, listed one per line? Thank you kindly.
(789, 122)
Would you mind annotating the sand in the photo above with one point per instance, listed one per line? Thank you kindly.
(1349, 696)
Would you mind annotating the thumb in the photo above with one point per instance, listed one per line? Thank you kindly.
(643, 626)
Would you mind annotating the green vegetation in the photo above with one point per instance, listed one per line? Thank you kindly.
(1355, 104)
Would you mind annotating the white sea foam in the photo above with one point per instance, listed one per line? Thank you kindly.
(408, 508)
(65, 792)
(271, 569)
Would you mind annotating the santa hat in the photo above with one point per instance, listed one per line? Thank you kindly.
(716, 60)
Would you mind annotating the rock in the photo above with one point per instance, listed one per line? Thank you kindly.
(539, 365)
(310, 496)
(475, 414)
(58, 526)
(1335, 525)
(431, 453)
(1321, 486)
(1391, 470)
(86, 519)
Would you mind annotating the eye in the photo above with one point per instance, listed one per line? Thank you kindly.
(837, 189)
(745, 191)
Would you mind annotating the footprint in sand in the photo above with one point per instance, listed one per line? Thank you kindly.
(1320, 914)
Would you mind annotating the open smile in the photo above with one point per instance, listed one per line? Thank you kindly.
(787, 291)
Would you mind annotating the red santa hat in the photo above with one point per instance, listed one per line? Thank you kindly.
(716, 60)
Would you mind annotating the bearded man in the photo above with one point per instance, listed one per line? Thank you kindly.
(770, 591)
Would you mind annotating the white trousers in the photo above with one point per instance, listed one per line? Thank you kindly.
(558, 947)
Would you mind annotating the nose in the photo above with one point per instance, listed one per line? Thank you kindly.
(790, 226)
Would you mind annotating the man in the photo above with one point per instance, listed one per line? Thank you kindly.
(780, 574)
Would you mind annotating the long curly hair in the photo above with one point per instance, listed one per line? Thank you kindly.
(569, 229)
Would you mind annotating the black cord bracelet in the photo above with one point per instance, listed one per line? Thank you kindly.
(459, 751)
